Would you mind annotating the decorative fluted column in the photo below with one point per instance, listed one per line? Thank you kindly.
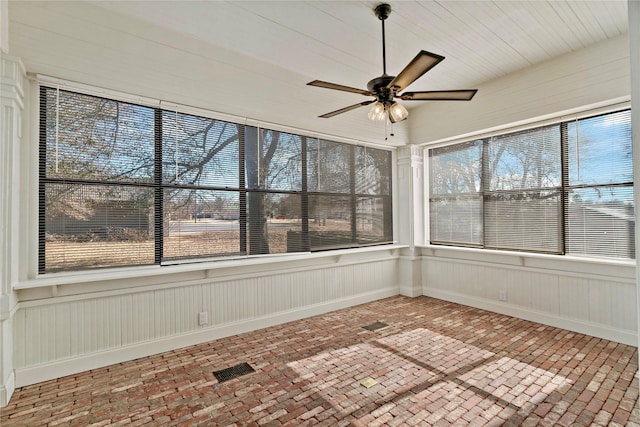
(410, 190)
(12, 85)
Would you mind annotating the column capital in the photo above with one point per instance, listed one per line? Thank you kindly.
(12, 78)
(410, 155)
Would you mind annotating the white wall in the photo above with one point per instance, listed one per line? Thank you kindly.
(634, 48)
(83, 42)
(70, 327)
(588, 296)
(592, 297)
(590, 76)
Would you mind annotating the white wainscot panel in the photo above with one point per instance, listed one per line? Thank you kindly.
(65, 335)
(600, 306)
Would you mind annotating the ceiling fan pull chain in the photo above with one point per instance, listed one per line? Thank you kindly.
(385, 129)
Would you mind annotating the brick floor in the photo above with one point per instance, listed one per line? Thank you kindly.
(435, 364)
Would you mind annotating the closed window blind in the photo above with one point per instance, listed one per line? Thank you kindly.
(201, 187)
(455, 185)
(96, 173)
(349, 195)
(565, 188)
(331, 209)
(523, 203)
(372, 188)
(601, 219)
(275, 181)
(122, 185)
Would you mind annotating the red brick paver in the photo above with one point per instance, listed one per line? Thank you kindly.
(436, 364)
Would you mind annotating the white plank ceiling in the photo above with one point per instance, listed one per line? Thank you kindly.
(253, 58)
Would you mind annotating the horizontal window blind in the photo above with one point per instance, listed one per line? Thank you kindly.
(601, 218)
(201, 216)
(96, 171)
(274, 161)
(372, 171)
(91, 138)
(122, 184)
(528, 220)
(274, 223)
(562, 188)
(523, 203)
(328, 167)
(330, 222)
(373, 223)
(198, 151)
(599, 150)
(455, 205)
(200, 223)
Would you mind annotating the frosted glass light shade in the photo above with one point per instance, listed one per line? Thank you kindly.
(377, 112)
(397, 113)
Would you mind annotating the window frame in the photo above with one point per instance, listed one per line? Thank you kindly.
(158, 186)
(564, 189)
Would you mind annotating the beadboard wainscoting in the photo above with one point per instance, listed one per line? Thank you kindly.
(587, 296)
(73, 332)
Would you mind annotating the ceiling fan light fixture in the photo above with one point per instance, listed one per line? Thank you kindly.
(397, 112)
(378, 112)
(385, 89)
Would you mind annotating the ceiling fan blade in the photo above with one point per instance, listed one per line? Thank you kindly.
(345, 109)
(439, 95)
(327, 85)
(423, 62)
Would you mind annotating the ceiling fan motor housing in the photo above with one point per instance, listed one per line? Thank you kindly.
(379, 85)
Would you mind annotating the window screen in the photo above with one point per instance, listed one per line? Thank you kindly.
(372, 188)
(199, 151)
(200, 223)
(328, 167)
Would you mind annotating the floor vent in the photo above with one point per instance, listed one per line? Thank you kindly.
(375, 326)
(233, 372)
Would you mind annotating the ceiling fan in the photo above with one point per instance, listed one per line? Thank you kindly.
(386, 88)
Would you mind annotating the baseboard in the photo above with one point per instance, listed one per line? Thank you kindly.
(410, 291)
(599, 331)
(7, 389)
(60, 368)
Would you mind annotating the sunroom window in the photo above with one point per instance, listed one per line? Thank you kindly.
(122, 184)
(565, 188)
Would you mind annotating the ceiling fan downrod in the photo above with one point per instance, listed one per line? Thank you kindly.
(378, 85)
(382, 11)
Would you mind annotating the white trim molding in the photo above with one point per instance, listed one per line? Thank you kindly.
(94, 324)
(589, 296)
(84, 362)
(634, 49)
(12, 87)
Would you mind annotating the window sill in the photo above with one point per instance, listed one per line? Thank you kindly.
(597, 267)
(155, 274)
